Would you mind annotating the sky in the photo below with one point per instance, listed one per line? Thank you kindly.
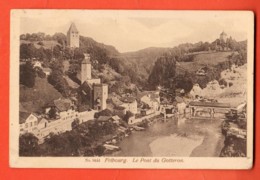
(135, 30)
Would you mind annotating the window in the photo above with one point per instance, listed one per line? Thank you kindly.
(31, 124)
(26, 125)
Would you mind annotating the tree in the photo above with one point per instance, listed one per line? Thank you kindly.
(163, 74)
(27, 75)
(57, 80)
(57, 51)
(52, 113)
(27, 51)
(184, 82)
(75, 123)
(163, 71)
(28, 145)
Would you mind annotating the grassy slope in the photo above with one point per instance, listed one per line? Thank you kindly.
(34, 98)
(143, 60)
(235, 94)
(203, 59)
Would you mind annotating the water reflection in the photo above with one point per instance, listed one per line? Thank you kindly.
(171, 136)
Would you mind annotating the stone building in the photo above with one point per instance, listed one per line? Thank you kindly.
(223, 37)
(95, 92)
(73, 36)
(100, 96)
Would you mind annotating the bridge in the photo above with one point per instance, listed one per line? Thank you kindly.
(210, 107)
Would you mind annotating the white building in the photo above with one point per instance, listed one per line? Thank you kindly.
(28, 122)
(152, 100)
(130, 104)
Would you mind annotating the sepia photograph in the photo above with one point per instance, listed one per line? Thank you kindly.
(131, 89)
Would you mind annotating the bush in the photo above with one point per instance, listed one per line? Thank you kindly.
(40, 43)
(27, 75)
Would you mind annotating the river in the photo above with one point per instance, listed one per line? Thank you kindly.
(177, 137)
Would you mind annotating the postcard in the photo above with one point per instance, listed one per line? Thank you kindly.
(129, 89)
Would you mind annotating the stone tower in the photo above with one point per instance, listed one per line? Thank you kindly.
(85, 69)
(100, 96)
(73, 36)
(223, 36)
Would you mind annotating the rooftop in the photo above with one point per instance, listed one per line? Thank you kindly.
(86, 60)
(63, 104)
(73, 28)
(210, 104)
(127, 99)
(46, 69)
(119, 108)
(23, 116)
(103, 118)
(86, 87)
(223, 33)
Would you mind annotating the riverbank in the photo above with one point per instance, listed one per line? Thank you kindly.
(183, 145)
(178, 137)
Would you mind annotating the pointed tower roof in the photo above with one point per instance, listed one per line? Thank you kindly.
(223, 34)
(86, 60)
(73, 28)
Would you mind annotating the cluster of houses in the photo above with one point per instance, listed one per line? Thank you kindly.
(56, 118)
(59, 115)
(149, 105)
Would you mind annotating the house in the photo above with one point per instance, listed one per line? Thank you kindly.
(42, 123)
(196, 90)
(85, 114)
(64, 122)
(145, 112)
(152, 100)
(65, 109)
(28, 122)
(167, 110)
(120, 111)
(104, 118)
(130, 104)
(132, 120)
(47, 71)
(201, 72)
(115, 119)
(37, 64)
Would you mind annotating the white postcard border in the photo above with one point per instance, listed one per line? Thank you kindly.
(100, 162)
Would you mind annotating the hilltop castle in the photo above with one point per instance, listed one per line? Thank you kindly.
(73, 36)
(223, 37)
